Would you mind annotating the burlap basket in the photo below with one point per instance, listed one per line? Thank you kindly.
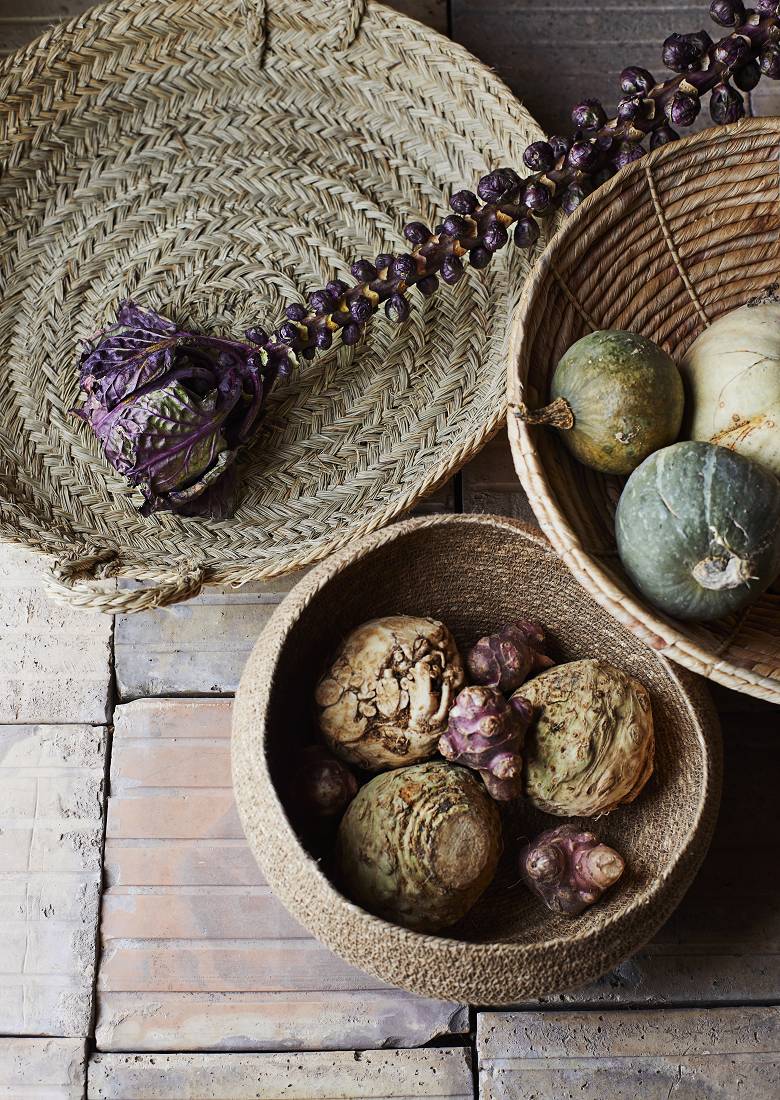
(672, 242)
(216, 160)
(474, 573)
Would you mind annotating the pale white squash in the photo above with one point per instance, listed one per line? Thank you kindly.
(731, 374)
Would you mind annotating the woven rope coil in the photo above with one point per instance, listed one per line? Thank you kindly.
(673, 242)
(474, 573)
(215, 160)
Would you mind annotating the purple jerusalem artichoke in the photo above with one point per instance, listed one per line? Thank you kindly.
(324, 786)
(506, 659)
(569, 869)
(486, 733)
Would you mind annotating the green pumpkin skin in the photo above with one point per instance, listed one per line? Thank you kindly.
(627, 397)
(698, 530)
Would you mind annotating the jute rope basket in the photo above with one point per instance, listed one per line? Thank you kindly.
(216, 160)
(672, 242)
(474, 573)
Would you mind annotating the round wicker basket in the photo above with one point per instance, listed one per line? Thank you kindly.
(215, 160)
(474, 573)
(673, 241)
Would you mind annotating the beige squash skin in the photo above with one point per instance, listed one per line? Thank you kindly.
(732, 380)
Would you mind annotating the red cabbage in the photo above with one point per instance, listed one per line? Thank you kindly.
(171, 408)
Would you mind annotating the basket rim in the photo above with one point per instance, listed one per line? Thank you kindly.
(37, 59)
(253, 701)
(660, 632)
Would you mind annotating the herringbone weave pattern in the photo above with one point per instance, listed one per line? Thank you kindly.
(216, 159)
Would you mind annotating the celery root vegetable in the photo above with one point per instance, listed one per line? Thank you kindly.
(419, 845)
(569, 868)
(590, 746)
(384, 700)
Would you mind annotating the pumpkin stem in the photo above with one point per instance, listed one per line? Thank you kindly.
(719, 573)
(558, 414)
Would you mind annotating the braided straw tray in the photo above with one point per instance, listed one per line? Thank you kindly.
(215, 160)
(672, 242)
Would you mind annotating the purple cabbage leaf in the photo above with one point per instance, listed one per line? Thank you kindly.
(171, 408)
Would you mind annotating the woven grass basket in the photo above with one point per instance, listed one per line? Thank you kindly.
(215, 160)
(672, 242)
(474, 573)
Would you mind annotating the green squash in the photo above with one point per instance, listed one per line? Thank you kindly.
(698, 530)
(617, 397)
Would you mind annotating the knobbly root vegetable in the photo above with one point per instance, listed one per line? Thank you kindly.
(506, 659)
(569, 869)
(590, 746)
(383, 703)
(698, 530)
(323, 786)
(486, 733)
(419, 845)
(732, 375)
(623, 396)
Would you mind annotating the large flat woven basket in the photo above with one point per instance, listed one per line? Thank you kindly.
(215, 160)
(672, 242)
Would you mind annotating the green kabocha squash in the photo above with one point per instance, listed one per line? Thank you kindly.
(732, 377)
(616, 398)
(698, 530)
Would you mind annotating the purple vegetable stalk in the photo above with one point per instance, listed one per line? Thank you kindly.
(563, 171)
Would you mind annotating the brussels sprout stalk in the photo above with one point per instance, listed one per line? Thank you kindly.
(563, 172)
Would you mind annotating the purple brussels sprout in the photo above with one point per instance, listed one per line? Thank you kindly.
(506, 659)
(486, 733)
(683, 109)
(726, 104)
(171, 408)
(499, 186)
(588, 115)
(747, 76)
(636, 81)
(628, 152)
(769, 61)
(662, 136)
(526, 232)
(681, 52)
(727, 12)
(464, 202)
(539, 156)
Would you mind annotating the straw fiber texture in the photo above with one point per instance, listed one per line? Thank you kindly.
(473, 573)
(671, 243)
(216, 160)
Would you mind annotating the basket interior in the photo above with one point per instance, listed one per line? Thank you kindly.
(187, 165)
(673, 243)
(475, 577)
